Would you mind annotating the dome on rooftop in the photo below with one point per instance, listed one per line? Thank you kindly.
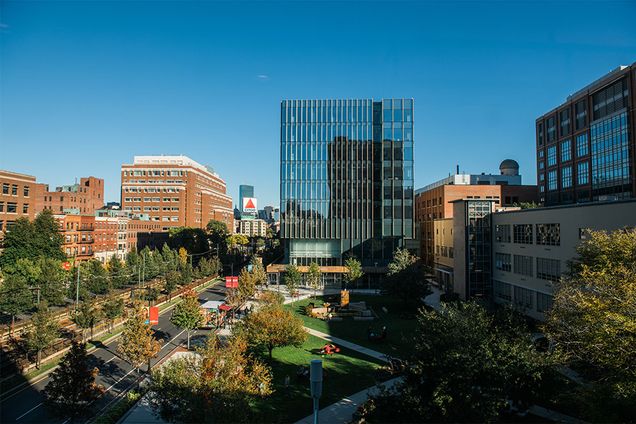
(509, 167)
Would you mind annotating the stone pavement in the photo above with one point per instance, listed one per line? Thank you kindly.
(343, 410)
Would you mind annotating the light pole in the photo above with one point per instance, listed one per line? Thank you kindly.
(315, 378)
(77, 285)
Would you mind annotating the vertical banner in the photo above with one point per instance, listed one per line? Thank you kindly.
(154, 315)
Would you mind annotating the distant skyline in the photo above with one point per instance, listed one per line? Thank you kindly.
(85, 86)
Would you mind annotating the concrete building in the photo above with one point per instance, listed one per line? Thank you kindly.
(252, 227)
(19, 197)
(84, 197)
(175, 191)
(531, 248)
(586, 147)
(434, 201)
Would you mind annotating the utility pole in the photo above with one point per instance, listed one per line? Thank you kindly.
(77, 286)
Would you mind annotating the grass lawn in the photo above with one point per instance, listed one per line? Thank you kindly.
(399, 341)
(345, 373)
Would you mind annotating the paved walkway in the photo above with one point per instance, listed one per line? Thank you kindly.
(343, 410)
(343, 343)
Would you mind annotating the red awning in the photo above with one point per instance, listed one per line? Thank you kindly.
(225, 307)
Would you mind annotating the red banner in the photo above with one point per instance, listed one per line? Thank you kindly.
(231, 282)
(154, 315)
(66, 266)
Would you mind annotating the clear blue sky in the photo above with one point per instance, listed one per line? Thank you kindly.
(85, 85)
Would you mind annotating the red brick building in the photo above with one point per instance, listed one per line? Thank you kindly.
(84, 198)
(19, 197)
(175, 191)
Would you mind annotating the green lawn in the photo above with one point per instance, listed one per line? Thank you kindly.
(399, 341)
(345, 373)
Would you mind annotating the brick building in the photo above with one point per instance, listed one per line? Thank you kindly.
(175, 191)
(85, 197)
(435, 200)
(19, 197)
(78, 235)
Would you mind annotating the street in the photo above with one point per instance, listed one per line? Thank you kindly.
(115, 374)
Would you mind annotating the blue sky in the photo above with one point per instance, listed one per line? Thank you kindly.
(85, 86)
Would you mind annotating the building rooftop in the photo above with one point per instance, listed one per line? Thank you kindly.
(178, 160)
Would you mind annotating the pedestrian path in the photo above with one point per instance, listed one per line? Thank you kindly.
(343, 343)
(343, 410)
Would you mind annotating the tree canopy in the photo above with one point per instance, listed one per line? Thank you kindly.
(406, 278)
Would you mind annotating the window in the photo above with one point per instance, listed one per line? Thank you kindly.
(523, 265)
(544, 302)
(523, 297)
(549, 234)
(523, 233)
(552, 155)
(25, 208)
(580, 110)
(564, 122)
(503, 261)
(5, 188)
(548, 269)
(581, 145)
(14, 189)
(552, 180)
(566, 150)
(503, 290)
(566, 177)
(582, 173)
(502, 233)
(1, 206)
(551, 128)
(26, 191)
(540, 134)
(12, 207)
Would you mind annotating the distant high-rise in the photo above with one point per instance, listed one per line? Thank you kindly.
(586, 148)
(247, 211)
(346, 180)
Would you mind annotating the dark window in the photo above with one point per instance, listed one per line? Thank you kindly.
(523, 233)
(523, 265)
(14, 190)
(551, 129)
(544, 302)
(610, 100)
(564, 122)
(12, 207)
(503, 290)
(540, 134)
(580, 109)
(548, 269)
(503, 262)
(5, 188)
(549, 234)
(502, 233)
(26, 191)
(523, 297)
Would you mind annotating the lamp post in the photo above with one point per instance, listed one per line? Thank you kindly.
(315, 378)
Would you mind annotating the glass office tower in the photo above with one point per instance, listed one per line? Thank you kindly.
(346, 183)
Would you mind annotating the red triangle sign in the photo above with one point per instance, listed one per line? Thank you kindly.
(249, 205)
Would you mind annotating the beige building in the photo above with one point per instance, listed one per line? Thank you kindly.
(444, 261)
(252, 227)
(175, 191)
(531, 248)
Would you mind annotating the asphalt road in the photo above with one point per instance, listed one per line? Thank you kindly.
(115, 374)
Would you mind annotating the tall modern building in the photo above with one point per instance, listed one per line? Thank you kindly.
(246, 191)
(586, 147)
(346, 183)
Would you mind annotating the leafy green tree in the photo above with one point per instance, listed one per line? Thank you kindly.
(246, 285)
(72, 387)
(272, 326)
(52, 281)
(15, 297)
(314, 276)
(292, 279)
(18, 243)
(87, 316)
(234, 241)
(113, 308)
(44, 330)
(150, 268)
(187, 273)
(47, 237)
(194, 240)
(173, 279)
(218, 234)
(220, 386)
(354, 271)
(117, 273)
(406, 279)
(593, 320)
(170, 258)
(95, 277)
(137, 344)
(187, 314)
(258, 272)
(209, 267)
(466, 368)
(133, 266)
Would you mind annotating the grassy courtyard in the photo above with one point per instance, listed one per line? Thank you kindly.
(400, 331)
(345, 373)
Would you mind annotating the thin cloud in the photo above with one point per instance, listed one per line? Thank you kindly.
(4, 26)
(262, 77)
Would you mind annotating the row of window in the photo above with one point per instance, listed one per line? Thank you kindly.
(12, 207)
(151, 190)
(155, 173)
(547, 234)
(523, 298)
(547, 269)
(151, 199)
(13, 189)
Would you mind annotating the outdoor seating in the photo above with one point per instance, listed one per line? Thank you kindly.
(329, 349)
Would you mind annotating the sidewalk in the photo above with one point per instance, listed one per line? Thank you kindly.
(348, 345)
(343, 410)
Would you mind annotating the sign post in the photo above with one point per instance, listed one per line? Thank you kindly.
(315, 378)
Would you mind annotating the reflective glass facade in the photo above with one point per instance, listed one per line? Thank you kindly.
(346, 179)
(610, 157)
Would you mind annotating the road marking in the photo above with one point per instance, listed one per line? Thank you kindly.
(110, 360)
(29, 411)
(116, 382)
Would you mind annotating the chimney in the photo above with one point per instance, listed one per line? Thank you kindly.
(457, 169)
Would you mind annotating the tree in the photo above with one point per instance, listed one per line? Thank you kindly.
(96, 277)
(218, 234)
(406, 278)
(258, 273)
(15, 296)
(593, 320)
(170, 258)
(246, 285)
(173, 279)
(86, 316)
(72, 386)
(209, 267)
(52, 281)
(314, 276)
(113, 308)
(117, 274)
(187, 314)
(137, 344)
(43, 332)
(47, 237)
(194, 240)
(236, 240)
(272, 326)
(467, 367)
(354, 271)
(218, 386)
(292, 279)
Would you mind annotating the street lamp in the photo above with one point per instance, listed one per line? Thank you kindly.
(315, 378)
